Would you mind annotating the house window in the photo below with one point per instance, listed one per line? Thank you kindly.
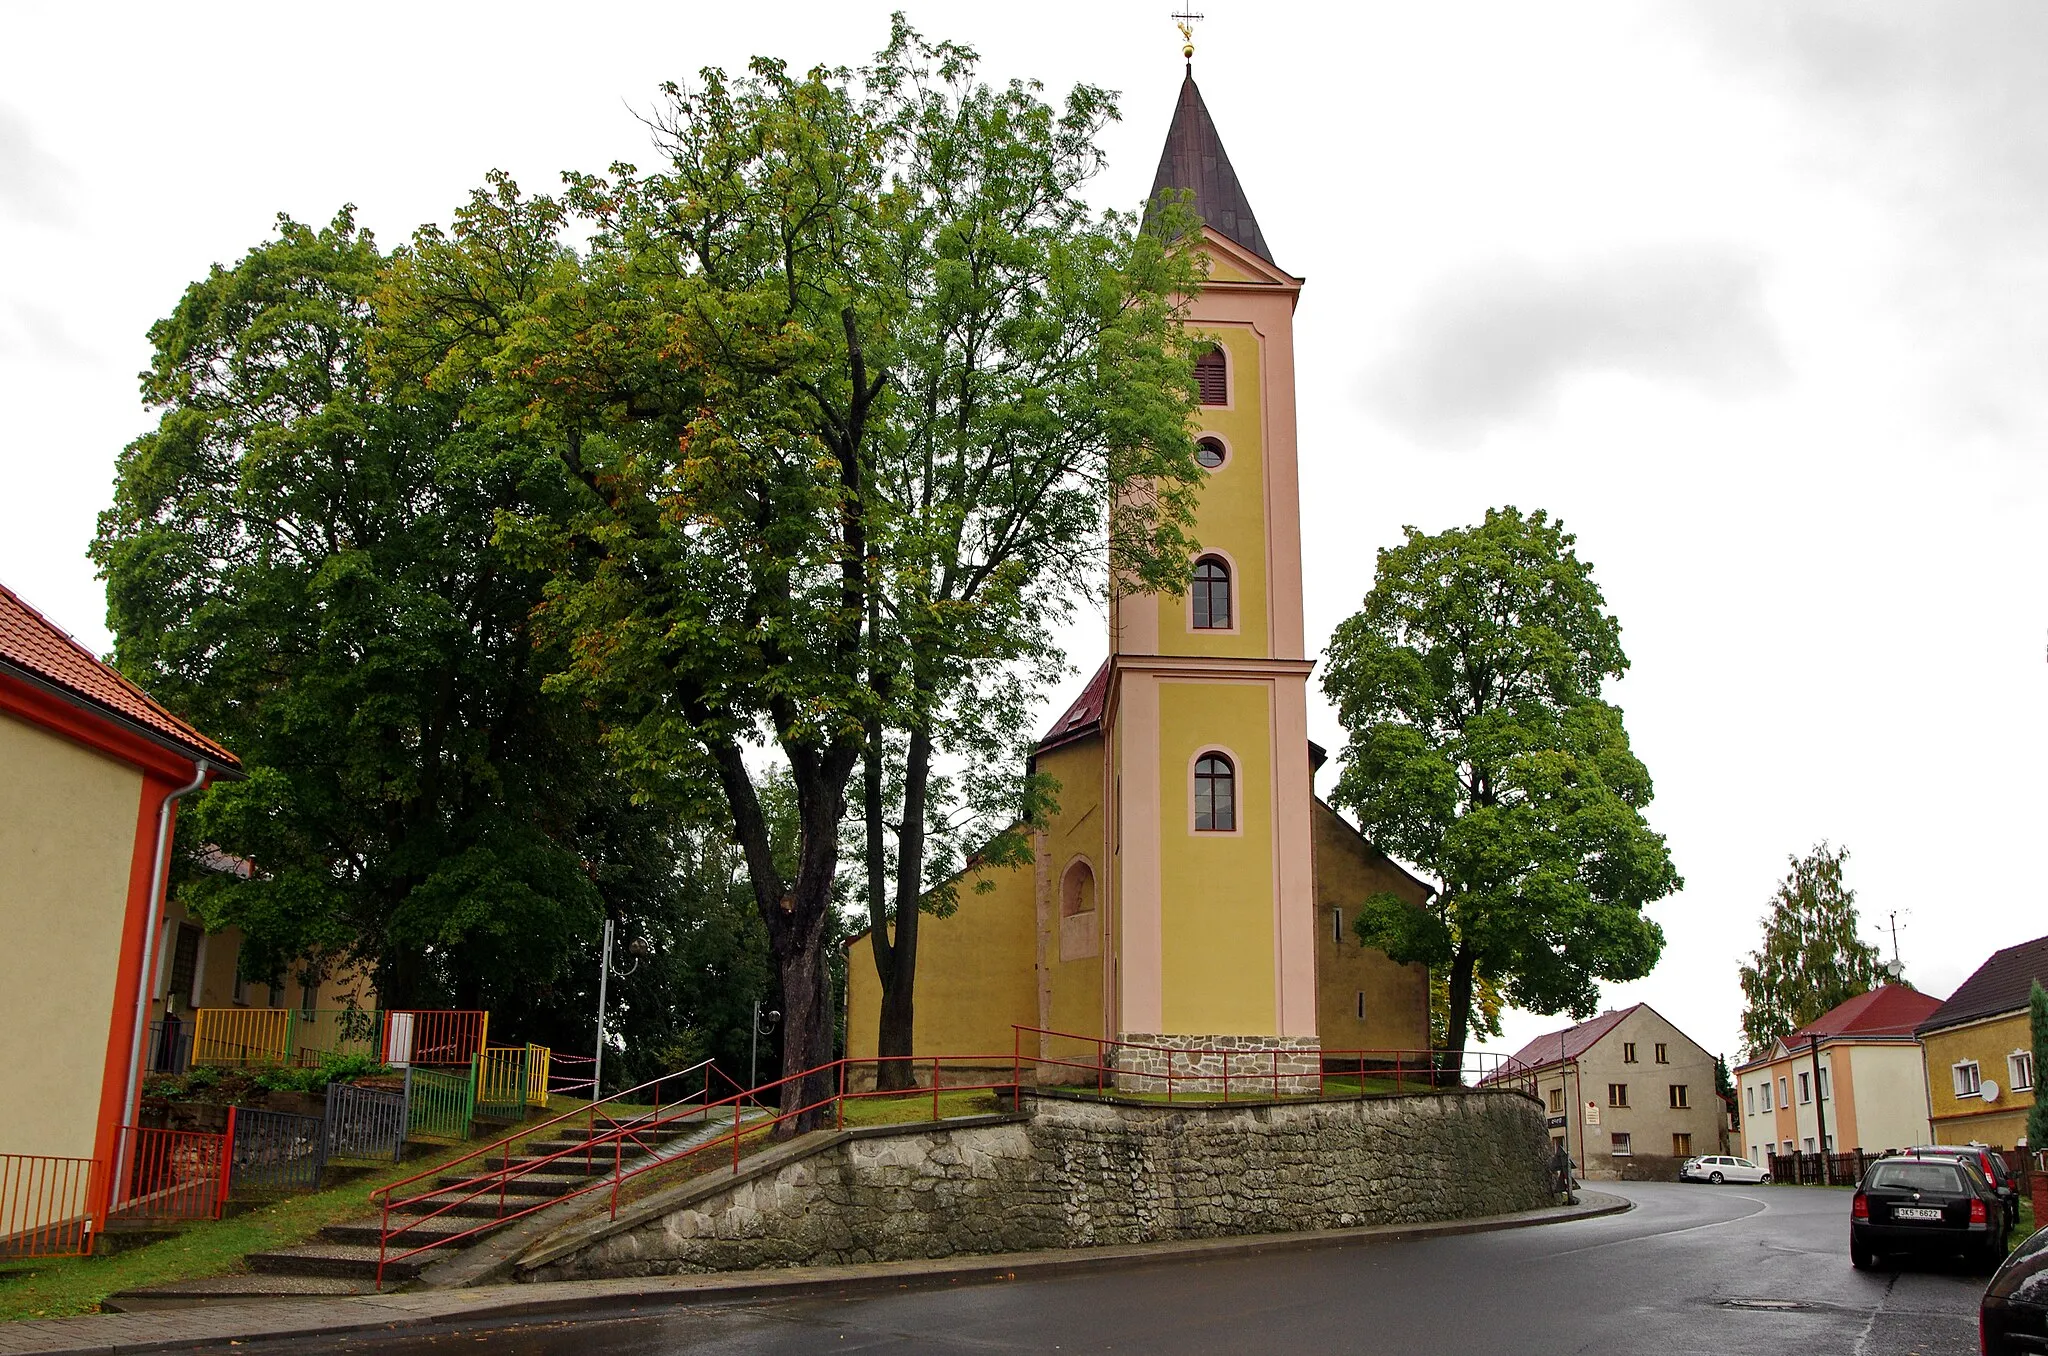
(1617, 1094)
(240, 993)
(1678, 1097)
(1969, 1080)
(1805, 1090)
(274, 995)
(1621, 1144)
(1767, 1094)
(1681, 1145)
(1809, 1144)
(1212, 377)
(1557, 1099)
(1210, 452)
(1750, 1091)
(1784, 1093)
(184, 961)
(1337, 926)
(1215, 794)
(1662, 1058)
(2020, 1064)
(1823, 1078)
(1628, 1052)
(309, 992)
(1788, 1146)
(1212, 594)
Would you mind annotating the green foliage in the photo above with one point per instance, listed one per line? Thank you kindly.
(2037, 1020)
(1810, 959)
(1487, 1002)
(1479, 748)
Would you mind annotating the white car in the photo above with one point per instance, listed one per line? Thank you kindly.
(1719, 1168)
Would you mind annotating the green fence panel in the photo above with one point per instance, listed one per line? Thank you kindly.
(501, 1083)
(440, 1103)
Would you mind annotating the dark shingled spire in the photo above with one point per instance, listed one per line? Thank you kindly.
(1194, 160)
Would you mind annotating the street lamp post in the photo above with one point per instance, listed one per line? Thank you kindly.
(604, 973)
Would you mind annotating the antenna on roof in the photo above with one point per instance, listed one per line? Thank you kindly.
(1185, 21)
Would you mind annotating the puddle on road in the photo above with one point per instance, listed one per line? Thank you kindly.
(1771, 1305)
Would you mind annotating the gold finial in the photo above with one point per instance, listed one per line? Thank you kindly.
(1185, 21)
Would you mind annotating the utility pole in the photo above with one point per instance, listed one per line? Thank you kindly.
(604, 972)
(1820, 1110)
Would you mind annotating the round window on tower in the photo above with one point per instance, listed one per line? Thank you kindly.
(1209, 452)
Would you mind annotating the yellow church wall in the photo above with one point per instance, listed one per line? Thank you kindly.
(1231, 518)
(974, 973)
(1074, 945)
(1348, 872)
(1216, 889)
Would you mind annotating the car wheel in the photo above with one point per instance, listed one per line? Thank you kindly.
(1860, 1257)
(1764, 1180)
(1716, 1178)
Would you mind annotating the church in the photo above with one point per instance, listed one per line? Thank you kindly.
(1191, 894)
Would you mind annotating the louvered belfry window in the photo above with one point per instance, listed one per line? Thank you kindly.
(1212, 378)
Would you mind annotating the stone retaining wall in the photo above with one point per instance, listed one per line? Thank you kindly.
(1082, 1173)
(1277, 1066)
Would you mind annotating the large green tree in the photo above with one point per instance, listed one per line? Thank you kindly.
(1811, 958)
(302, 562)
(1479, 747)
(855, 389)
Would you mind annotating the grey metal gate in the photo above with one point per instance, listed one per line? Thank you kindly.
(276, 1151)
(365, 1122)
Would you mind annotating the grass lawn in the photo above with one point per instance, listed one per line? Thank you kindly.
(906, 1107)
(54, 1287)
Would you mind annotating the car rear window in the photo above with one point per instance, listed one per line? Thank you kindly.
(1917, 1176)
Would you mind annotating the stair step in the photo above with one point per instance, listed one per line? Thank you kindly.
(366, 1232)
(218, 1289)
(346, 1260)
(532, 1184)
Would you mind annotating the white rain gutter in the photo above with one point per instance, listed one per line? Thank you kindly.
(201, 769)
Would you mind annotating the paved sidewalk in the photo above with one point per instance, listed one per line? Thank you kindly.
(507, 1305)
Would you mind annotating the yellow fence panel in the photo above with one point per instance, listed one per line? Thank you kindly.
(537, 1058)
(242, 1036)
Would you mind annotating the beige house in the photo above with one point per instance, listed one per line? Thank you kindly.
(1628, 1093)
(1850, 1079)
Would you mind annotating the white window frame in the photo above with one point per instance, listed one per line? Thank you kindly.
(1822, 1082)
(1784, 1091)
(1969, 1079)
(1805, 1088)
(1621, 1144)
(1752, 1098)
(2019, 1065)
(1767, 1094)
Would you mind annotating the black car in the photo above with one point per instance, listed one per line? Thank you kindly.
(1994, 1169)
(2014, 1314)
(1928, 1206)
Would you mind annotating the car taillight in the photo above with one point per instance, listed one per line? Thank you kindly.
(1989, 1175)
(1977, 1211)
(1860, 1207)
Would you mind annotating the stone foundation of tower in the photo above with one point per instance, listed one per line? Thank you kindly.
(1243, 1066)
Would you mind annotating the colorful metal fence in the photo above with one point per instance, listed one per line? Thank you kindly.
(365, 1122)
(169, 1050)
(434, 1035)
(171, 1174)
(246, 1037)
(440, 1102)
(538, 1059)
(501, 1082)
(46, 1205)
(321, 1032)
(273, 1151)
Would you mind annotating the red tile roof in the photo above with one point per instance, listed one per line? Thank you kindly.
(1084, 717)
(38, 649)
(1892, 1010)
(1577, 1039)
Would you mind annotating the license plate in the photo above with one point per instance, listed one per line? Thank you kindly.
(1915, 1212)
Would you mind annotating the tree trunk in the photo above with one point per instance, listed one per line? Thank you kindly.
(894, 1042)
(1459, 1022)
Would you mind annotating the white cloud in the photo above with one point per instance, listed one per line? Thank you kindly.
(34, 185)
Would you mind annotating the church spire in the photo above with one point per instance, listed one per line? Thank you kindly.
(1194, 160)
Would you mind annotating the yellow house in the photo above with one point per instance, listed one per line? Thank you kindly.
(1979, 1051)
(1191, 892)
(94, 771)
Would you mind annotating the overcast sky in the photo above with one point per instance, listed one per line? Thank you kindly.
(1753, 296)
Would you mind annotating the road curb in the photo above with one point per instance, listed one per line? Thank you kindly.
(508, 1305)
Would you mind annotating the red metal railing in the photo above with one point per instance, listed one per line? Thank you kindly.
(433, 1035)
(1259, 1073)
(173, 1174)
(642, 1134)
(46, 1205)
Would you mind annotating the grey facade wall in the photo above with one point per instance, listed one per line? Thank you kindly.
(1079, 1174)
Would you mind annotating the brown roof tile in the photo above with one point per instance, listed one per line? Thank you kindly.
(1999, 985)
(1082, 718)
(1193, 159)
(35, 646)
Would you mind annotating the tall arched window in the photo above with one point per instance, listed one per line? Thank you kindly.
(1215, 794)
(1212, 377)
(1212, 594)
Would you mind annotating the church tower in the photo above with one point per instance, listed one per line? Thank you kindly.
(1211, 888)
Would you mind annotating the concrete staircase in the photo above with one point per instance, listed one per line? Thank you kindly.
(342, 1260)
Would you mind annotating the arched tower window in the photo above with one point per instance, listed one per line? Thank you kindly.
(1210, 452)
(1212, 594)
(1215, 794)
(1077, 890)
(1212, 377)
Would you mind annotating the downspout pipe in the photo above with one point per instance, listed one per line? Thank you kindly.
(201, 771)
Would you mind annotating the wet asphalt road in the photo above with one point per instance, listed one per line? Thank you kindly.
(1693, 1269)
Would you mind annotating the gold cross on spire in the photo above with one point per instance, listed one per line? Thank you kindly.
(1185, 21)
